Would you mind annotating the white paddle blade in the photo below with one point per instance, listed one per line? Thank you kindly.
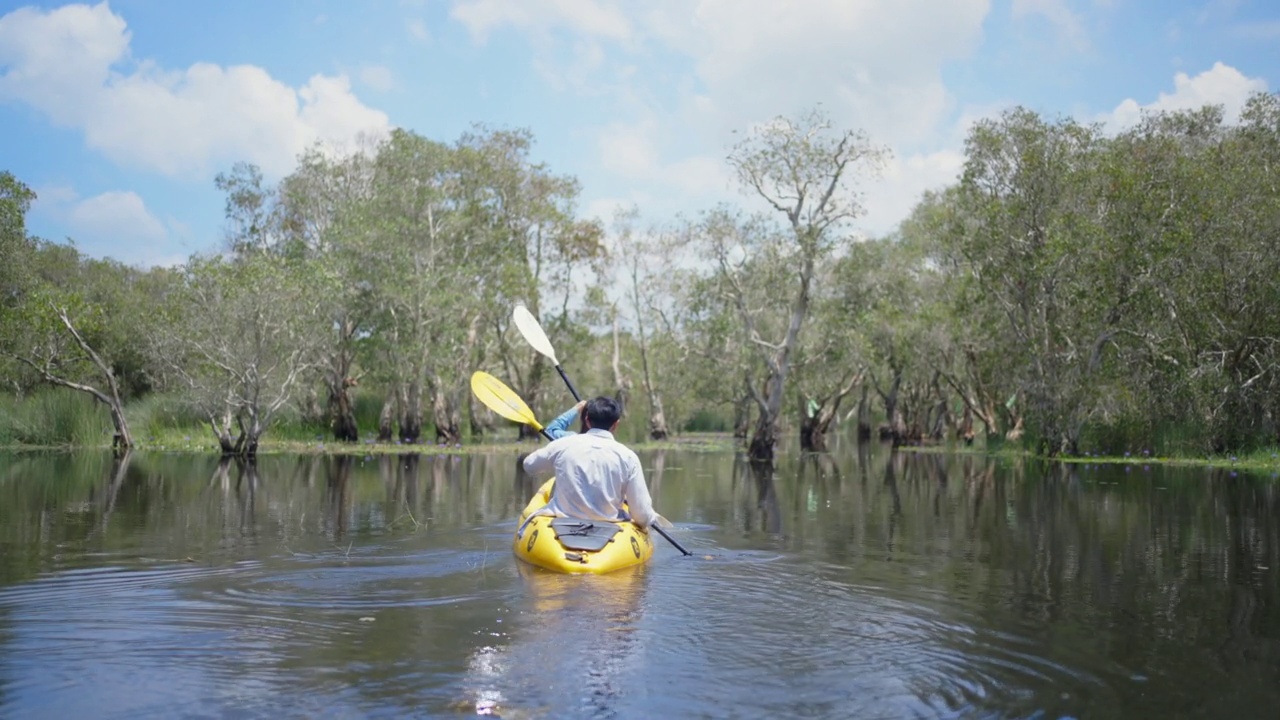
(529, 327)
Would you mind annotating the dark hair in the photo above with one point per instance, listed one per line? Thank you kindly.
(602, 412)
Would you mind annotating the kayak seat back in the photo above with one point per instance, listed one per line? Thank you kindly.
(588, 535)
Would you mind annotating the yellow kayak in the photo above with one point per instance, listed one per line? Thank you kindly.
(571, 545)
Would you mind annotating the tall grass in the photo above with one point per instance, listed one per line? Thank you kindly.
(54, 417)
(163, 418)
(368, 406)
(171, 421)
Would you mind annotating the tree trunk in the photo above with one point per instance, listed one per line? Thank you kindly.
(864, 414)
(386, 417)
(657, 419)
(251, 435)
(897, 424)
(941, 412)
(480, 426)
(411, 412)
(338, 378)
(898, 427)
(811, 438)
(965, 430)
(221, 427)
(526, 432)
(764, 441)
(742, 416)
(1015, 433)
(341, 410)
(621, 383)
(816, 421)
(123, 438)
(443, 416)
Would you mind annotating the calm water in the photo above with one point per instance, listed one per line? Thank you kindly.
(858, 585)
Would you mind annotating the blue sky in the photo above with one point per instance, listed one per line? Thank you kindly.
(120, 114)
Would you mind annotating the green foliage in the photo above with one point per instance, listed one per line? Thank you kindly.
(164, 415)
(707, 421)
(15, 200)
(1078, 290)
(1125, 277)
(54, 417)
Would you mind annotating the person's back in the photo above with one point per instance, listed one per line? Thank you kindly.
(595, 474)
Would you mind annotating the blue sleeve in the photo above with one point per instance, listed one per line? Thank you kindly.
(558, 428)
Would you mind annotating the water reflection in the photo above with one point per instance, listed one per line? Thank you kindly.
(766, 496)
(863, 583)
(577, 648)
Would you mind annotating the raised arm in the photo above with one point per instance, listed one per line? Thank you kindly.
(559, 427)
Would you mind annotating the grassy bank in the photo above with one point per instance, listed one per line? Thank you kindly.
(1259, 460)
(63, 419)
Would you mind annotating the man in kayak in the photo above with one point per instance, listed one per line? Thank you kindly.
(595, 474)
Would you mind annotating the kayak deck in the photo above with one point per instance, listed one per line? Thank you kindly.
(573, 545)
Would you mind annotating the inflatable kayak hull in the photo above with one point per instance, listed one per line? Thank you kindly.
(570, 545)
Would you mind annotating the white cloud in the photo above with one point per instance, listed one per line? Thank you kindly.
(700, 175)
(606, 209)
(1219, 85)
(588, 17)
(876, 63)
(377, 77)
(116, 215)
(1260, 30)
(1056, 12)
(628, 149)
(418, 31)
(49, 198)
(903, 181)
(74, 64)
(632, 153)
(115, 224)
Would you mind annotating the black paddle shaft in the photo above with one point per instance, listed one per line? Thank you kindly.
(670, 539)
(573, 392)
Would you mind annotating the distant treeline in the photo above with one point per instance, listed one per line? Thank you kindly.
(1078, 289)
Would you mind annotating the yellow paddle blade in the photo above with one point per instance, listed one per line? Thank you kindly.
(501, 399)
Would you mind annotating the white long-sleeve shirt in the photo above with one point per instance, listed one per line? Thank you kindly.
(595, 474)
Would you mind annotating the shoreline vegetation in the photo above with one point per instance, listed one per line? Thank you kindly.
(61, 421)
(1078, 293)
(1262, 461)
(701, 442)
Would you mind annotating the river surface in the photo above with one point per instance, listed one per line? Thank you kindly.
(861, 584)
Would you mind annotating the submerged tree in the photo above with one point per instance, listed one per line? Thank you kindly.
(641, 285)
(320, 218)
(806, 173)
(242, 334)
(63, 317)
